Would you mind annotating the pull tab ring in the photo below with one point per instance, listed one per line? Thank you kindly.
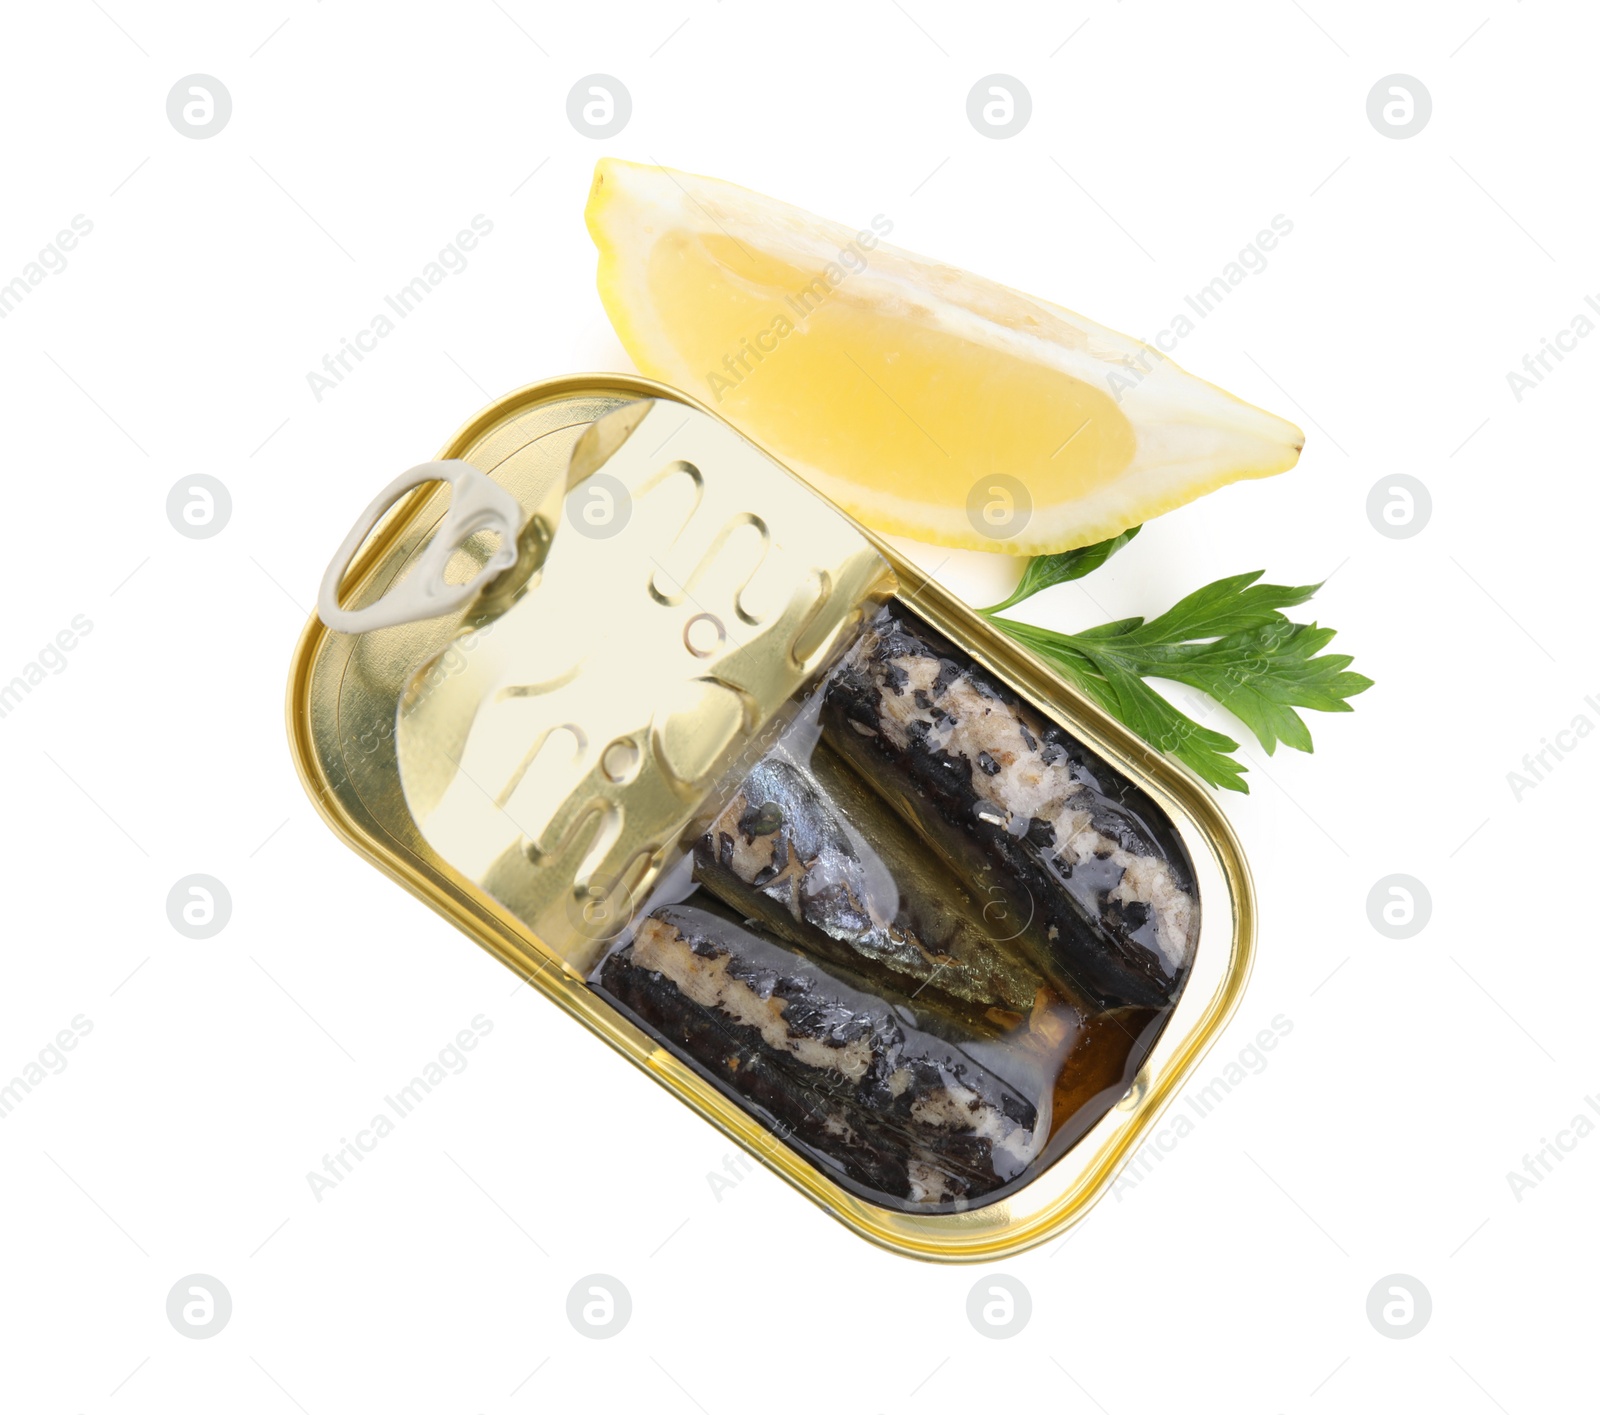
(476, 504)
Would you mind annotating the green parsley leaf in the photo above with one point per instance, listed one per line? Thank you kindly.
(1043, 571)
(1228, 640)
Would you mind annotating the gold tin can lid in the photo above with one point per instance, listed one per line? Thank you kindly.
(687, 587)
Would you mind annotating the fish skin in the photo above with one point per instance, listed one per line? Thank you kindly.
(889, 709)
(886, 1109)
(828, 866)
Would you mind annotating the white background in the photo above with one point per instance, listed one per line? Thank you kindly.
(177, 341)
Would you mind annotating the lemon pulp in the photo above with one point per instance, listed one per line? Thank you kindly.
(920, 412)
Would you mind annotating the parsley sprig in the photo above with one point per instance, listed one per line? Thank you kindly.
(1229, 640)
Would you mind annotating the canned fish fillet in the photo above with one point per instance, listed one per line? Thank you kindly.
(729, 781)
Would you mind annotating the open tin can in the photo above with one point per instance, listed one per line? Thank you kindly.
(725, 777)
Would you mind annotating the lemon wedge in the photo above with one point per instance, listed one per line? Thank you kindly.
(926, 401)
